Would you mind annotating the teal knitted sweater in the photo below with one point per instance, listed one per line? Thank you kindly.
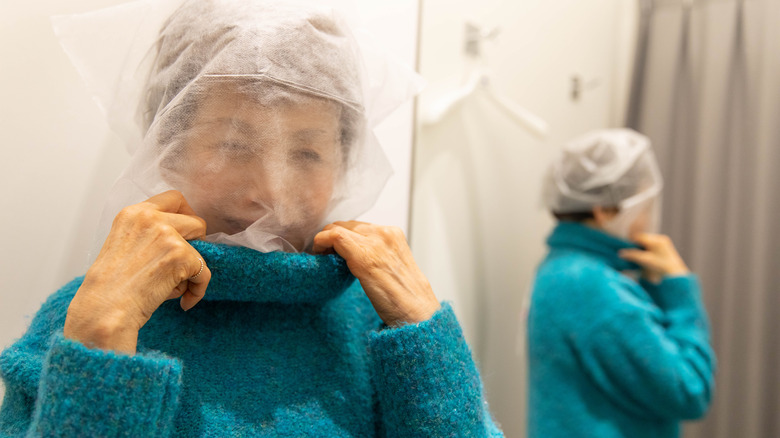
(610, 357)
(282, 345)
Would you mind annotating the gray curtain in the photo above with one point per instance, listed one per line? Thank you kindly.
(707, 91)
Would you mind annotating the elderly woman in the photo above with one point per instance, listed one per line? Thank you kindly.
(253, 114)
(618, 335)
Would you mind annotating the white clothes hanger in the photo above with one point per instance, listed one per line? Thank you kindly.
(480, 81)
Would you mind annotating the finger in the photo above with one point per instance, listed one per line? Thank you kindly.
(342, 224)
(357, 226)
(645, 259)
(644, 239)
(653, 242)
(352, 225)
(321, 249)
(171, 201)
(196, 288)
(189, 226)
(368, 229)
(323, 241)
(342, 240)
(178, 290)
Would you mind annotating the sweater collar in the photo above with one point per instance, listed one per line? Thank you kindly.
(243, 274)
(578, 237)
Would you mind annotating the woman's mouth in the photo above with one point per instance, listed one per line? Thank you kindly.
(235, 225)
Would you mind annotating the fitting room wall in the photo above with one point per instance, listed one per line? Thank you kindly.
(59, 159)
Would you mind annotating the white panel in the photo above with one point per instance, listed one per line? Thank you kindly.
(394, 24)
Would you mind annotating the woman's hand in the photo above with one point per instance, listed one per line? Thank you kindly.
(381, 259)
(145, 260)
(659, 259)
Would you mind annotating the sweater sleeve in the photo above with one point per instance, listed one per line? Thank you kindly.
(653, 361)
(427, 383)
(58, 387)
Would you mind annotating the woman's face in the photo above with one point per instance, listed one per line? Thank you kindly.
(272, 167)
(632, 220)
(646, 220)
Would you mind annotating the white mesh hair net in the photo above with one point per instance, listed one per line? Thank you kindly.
(607, 168)
(260, 112)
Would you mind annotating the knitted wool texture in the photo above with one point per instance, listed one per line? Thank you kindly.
(282, 345)
(610, 357)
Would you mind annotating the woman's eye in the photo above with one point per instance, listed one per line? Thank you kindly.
(307, 155)
(235, 149)
(232, 146)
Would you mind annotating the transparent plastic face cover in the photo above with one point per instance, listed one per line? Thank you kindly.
(263, 166)
(255, 110)
(608, 168)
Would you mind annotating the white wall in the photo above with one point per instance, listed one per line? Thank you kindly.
(477, 226)
(59, 159)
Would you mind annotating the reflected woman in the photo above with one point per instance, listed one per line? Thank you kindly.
(619, 344)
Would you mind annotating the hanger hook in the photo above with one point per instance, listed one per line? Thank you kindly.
(475, 36)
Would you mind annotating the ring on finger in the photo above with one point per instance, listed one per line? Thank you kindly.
(200, 271)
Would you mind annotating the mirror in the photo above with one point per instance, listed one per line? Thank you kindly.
(511, 82)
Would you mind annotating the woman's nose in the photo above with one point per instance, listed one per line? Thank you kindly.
(266, 187)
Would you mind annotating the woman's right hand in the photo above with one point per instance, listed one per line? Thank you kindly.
(145, 261)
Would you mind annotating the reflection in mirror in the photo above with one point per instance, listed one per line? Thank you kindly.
(511, 83)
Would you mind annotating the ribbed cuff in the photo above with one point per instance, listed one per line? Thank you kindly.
(91, 392)
(676, 292)
(427, 382)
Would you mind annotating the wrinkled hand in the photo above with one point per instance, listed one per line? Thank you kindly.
(659, 258)
(145, 260)
(381, 260)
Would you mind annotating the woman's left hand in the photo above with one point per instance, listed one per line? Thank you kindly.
(659, 258)
(381, 259)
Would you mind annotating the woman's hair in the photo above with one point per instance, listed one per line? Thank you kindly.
(581, 216)
(574, 217)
